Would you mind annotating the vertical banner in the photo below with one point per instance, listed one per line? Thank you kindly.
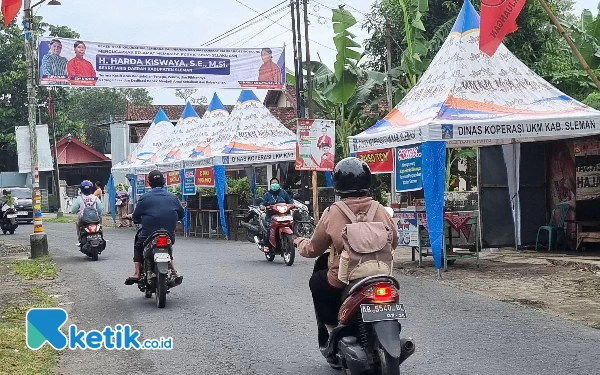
(205, 177)
(45, 162)
(221, 189)
(379, 161)
(408, 229)
(408, 166)
(315, 145)
(173, 178)
(70, 62)
(140, 184)
(189, 182)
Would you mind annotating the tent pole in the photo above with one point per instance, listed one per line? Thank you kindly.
(562, 32)
(514, 198)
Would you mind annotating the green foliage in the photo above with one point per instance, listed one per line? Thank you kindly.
(453, 155)
(593, 100)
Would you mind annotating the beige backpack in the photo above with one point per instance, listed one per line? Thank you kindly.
(367, 245)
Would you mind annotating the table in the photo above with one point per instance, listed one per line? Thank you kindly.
(587, 236)
(206, 222)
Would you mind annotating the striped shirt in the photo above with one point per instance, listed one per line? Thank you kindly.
(54, 65)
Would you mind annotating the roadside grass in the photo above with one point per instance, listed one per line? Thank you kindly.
(37, 268)
(63, 219)
(15, 357)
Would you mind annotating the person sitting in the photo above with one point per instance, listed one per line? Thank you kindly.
(86, 199)
(275, 195)
(158, 209)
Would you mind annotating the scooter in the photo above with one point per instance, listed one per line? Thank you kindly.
(91, 239)
(8, 222)
(304, 224)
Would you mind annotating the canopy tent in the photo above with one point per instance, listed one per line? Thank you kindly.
(466, 98)
(145, 151)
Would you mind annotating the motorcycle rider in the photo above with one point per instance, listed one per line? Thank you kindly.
(275, 195)
(86, 199)
(155, 210)
(6, 201)
(351, 181)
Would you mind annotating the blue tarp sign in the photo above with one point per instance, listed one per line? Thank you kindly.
(140, 184)
(189, 182)
(408, 168)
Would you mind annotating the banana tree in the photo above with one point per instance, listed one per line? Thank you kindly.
(586, 37)
(454, 155)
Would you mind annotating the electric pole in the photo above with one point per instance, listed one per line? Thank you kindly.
(38, 239)
(390, 98)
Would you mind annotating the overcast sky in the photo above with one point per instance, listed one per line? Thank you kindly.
(190, 23)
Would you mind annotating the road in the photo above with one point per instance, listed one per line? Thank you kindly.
(235, 313)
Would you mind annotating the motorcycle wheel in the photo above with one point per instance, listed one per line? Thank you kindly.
(303, 229)
(161, 290)
(250, 235)
(4, 231)
(385, 363)
(270, 257)
(289, 251)
(11, 231)
(94, 253)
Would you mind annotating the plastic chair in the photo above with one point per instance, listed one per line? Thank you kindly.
(563, 208)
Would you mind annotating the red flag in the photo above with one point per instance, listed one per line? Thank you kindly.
(498, 19)
(10, 9)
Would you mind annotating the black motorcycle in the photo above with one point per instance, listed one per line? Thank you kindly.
(156, 277)
(91, 238)
(367, 337)
(8, 222)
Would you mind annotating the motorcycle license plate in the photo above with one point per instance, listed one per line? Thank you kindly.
(93, 237)
(284, 218)
(22, 213)
(11, 216)
(386, 311)
(162, 257)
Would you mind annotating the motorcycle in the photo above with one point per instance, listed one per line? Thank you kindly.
(281, 241)
(8, 222)
(156, 273)
(367, 337)
(304, 224)
(91, 238)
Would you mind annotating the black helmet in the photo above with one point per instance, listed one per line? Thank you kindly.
(351, 175)
(5, 192)
(156, 179)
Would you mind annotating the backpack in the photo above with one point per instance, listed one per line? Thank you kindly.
(87, 209)
(367, 245)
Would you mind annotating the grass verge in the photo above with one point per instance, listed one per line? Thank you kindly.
(38, 268)
(63, 219)
(15, 357)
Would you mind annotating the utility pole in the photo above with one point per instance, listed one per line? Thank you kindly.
(56, 177)
(315, 184)
(38, 239)
(390, 97)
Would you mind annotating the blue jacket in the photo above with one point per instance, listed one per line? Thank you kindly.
(281, 197)
(155, 210)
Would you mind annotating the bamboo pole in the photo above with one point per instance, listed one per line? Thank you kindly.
(564, 34)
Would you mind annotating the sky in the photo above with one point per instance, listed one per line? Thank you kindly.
(190, 23)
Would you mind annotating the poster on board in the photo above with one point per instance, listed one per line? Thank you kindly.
(408, 229)
(70, 62)
(379, 161)
(409, 174)
(189, 182)
(315, 145)
(45, 162)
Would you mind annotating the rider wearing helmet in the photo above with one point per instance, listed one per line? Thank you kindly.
(86, 199)
(155, 210)
(351, 181)
(6, 200)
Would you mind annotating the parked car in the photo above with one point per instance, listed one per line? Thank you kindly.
(23, 203)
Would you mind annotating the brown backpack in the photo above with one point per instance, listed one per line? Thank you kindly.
(367, 245)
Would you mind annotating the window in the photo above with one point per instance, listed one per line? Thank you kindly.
(50, 185)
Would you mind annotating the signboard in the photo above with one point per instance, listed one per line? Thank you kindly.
(409, 174)
(587, 178)
(140, 183)
(189, 182)
(69, 62)
(587, 147)
(315, 145)
(205, 177)
(408, 229)
(43, 145)
(379, 161)
(173, 178)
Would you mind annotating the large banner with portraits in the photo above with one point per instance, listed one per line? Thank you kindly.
(68, 62)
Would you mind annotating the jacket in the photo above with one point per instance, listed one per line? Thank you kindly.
(328, 233)
(155, 210)
(282, 197)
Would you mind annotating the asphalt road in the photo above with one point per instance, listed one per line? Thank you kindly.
(235, 313)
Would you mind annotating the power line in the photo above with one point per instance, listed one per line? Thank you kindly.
(261, 31)
(237, 27)
(244, 37)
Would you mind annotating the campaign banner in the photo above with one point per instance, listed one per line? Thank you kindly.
(408, 228)
(315, 145)
(173, 178)
(140, 183)
(189, 182)
(45, 162)
(379, 161)
(69, 62)
(587, 177)
(205, 177)
(408, 166)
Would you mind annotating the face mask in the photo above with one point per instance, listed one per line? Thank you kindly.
(275, 187)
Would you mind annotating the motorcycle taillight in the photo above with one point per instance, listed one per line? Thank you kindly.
(381, 293)
(162, 241)
(92, 228)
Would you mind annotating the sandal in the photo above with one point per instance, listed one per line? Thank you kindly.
(131, 281)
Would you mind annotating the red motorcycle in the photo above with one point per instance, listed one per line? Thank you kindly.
(281, 239)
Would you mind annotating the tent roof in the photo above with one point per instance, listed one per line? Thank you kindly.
(467, 98)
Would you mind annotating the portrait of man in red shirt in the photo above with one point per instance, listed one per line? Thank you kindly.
(269, 71)
(327, 159)
(324, 139)
(78, 67)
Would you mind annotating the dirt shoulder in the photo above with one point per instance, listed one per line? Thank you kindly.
(565, 288)
(25, 284)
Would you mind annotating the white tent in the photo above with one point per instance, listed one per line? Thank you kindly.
(145, 151)
(467, 98)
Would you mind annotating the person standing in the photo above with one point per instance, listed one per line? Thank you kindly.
(122, 199)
